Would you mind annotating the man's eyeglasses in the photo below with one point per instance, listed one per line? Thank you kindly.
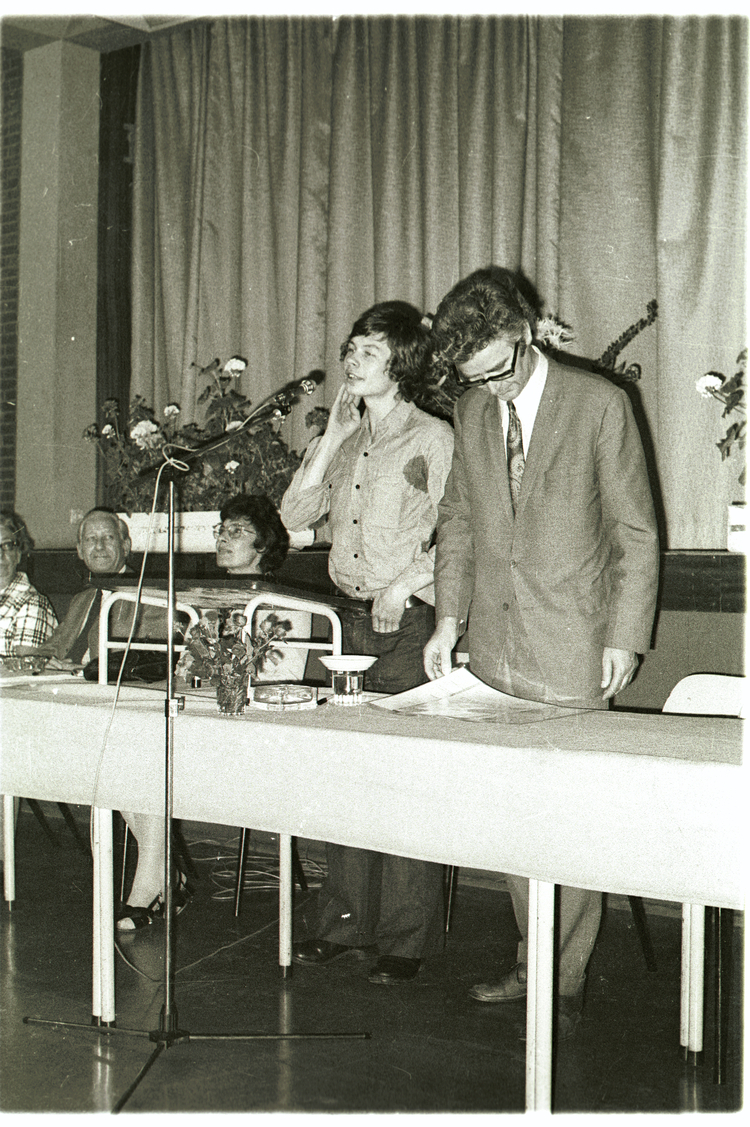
(232, 531)
(8, 546)
(506, 375)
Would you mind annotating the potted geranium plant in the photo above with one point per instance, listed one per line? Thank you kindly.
(244, 452)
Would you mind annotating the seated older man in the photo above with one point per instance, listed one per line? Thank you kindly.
(104, 546)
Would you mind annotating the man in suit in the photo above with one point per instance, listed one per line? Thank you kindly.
(546, 545)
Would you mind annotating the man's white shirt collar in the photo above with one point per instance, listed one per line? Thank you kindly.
(527, 401)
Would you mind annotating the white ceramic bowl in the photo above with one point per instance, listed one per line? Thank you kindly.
(346, 663)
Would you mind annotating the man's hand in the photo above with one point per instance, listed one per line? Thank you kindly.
(437, 652)
(344, 418)
(388, 609)
(618, 667)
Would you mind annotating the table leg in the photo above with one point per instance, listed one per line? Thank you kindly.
(691, 983)
(285, 904)
(539, 996)
(103, 958)
(9, 846)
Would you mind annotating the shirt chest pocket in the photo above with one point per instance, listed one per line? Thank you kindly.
(386, 502)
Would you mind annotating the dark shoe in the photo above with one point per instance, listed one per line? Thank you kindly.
(392, 969)
(130, 918)
(569, 1014)
(319, 952)
(509, 989)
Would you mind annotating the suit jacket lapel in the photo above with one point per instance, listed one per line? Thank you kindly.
(494, 453)
(543, 437)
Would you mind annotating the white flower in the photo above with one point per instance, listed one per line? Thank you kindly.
(707, 384)
(234, 425)
(146, 435)
(234, 367)
(553, 333)
(108, 431)
(230, 467)
(171, 410)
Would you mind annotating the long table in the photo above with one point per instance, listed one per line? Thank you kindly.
(637, 804)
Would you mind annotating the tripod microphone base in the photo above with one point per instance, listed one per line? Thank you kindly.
(168, 1037)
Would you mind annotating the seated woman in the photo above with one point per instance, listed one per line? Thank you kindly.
(250, 541)
(26, 617)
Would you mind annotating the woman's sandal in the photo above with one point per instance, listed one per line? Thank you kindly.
(130, 918)
(181, 894)
(133, 918)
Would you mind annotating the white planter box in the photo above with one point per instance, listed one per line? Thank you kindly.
(193, 532)
(737, 536)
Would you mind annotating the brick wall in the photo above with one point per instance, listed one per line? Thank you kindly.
(10, 206)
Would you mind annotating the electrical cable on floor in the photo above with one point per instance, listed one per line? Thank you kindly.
(211, 954)
(263, 877)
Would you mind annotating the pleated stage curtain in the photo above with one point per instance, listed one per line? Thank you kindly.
(292, 171)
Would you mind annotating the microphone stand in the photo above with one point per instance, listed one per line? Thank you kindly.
(168, 1034)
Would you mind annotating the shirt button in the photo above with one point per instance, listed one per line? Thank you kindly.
(506, 606)
(354, 522)
(356, 487)
(356, 588)
(356, 555)
(364, 455)
(512, 563)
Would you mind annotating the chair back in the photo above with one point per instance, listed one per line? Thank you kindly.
(269, 601)
(105, 644)
(709, 694)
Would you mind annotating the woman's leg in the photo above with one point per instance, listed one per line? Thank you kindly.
(148, 882)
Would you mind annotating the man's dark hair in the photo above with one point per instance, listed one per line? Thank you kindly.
(483, 306)
(272, 539)
(408, 337)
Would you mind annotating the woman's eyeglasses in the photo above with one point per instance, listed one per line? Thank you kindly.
(8, 546)
(506, 375)
(232, 531)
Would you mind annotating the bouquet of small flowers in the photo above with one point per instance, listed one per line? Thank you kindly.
(251, 458)
(730, 392)
(216, 651)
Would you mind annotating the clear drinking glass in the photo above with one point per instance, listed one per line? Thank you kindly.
(347, 676)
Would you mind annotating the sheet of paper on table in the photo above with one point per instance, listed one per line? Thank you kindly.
(463, 696)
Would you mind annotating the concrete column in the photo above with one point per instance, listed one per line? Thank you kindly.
(58, 290)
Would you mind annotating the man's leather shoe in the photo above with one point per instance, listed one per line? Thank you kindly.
(508, 989)
(390, 970)
(318, 952)
(569, 1013)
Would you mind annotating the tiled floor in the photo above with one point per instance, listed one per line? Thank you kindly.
(430, 1048)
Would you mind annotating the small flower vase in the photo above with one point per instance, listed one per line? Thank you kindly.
(232, 698)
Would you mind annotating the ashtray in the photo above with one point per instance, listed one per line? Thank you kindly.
(347, 676)
(283, 698)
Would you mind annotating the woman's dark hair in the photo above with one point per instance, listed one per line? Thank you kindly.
(17, 526)
(407, 335)
(272, 539)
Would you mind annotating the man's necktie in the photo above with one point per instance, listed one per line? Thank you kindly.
(81, 644)
(516, 460)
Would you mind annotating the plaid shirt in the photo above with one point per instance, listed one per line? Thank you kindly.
(26, 617)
